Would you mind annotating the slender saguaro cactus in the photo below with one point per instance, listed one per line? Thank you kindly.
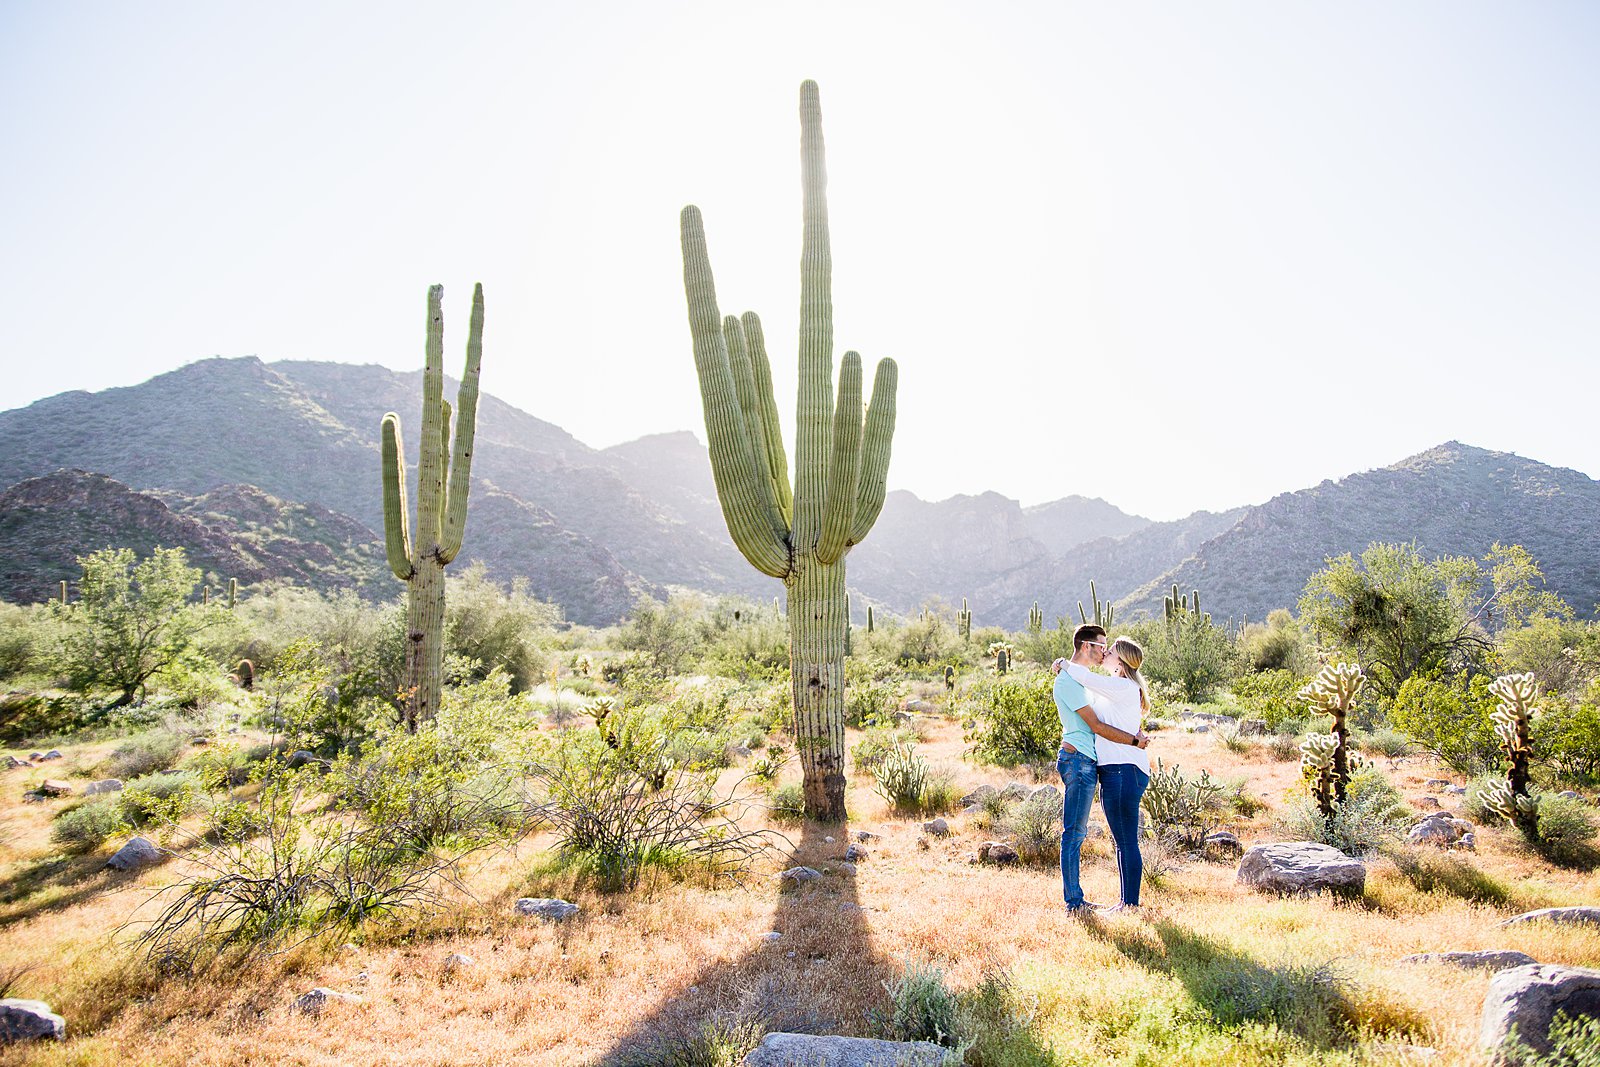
(964, 621)
(233, 592)
(869, 618)
(63, 593)
(799, 536)
(418, 555)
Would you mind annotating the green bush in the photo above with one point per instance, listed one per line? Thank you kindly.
(1432, 871)
(1450, 719)
(1372, 815)
(1277, 646)
(787, 803)
(146, 754)
(497, 628)
(1391, 744)
(1565, 829)
(876, 744)
(921, 1007)
(1271, 695)
(1574, 1041)
(1034, 828)
(1567, 733)
(1284, 747)
(161, 797)
(87, 825)
(1182, 811)
(1190, 652)
(1016, 720)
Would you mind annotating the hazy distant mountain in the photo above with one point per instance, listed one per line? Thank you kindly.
(272, 470)
(1451, 500)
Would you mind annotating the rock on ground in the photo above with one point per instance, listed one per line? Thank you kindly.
(936, 827)
(317, 1001)
(1557, 915)
(546, 908)
(1486, 959)
(792, 1050)
(800, 874)
(1301, 867)
(997, 853)
(29, 1020)
(54, 787)
(105, 785)
(138, 852)
(1528, 998)
(1224, 841)
(1440, 828)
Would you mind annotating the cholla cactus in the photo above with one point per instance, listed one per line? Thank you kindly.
(949, 677)
(1035, 619)
(1326, 759)
(1002, 656)
(1513, 800)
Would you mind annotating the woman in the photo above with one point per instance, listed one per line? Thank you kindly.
(1121, 700)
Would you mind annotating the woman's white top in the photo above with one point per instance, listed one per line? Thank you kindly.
(1116, 703)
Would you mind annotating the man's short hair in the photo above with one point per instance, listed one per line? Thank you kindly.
(1088, 633)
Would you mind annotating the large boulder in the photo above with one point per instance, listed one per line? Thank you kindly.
(1490, 959)
(1561, 916)
(1301, 867)
(1528, 998)
(29, 1020)
(793, 1050)
(138, 852)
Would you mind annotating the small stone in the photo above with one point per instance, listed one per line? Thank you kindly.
(12, 761)
(1438, 830)
(138, 852)
(54, 787)
(866, 837)
(547, 908)
(457, 961)
(1197, 728)
(317, 1001)
(847, 868)
(1253, 728)
(54, 753)
(35, 757)
(920, 707)
(200, 741)
(1044, 792)
(855, 854)
(828, 840)
(771, 936)
(1468, 842)
(800, 874)
(29, 1020)
(1483, 959)
(301, 757)
(1562, 916)
(1225, 841)
(104, 785)
(1430, 802)
(1015, 791)
(978, 795)
(791, 954)
(922, 844)
(1456, 790)
(936, 827)
(362, 977)
(997, 854)
(1436, 783)
(1569, 794)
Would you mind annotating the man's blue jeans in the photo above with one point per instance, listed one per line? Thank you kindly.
(1077, 788)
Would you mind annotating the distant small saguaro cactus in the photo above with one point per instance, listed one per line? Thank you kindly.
(1035, 619)
(63, 592)
(1325, 759)
(964, 621)
(418, 555)
(1512, 799)
(233, 592)
(1102, 610)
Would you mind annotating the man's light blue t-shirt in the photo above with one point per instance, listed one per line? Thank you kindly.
(1070, 696)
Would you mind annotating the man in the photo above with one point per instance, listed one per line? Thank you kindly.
(1076, 761)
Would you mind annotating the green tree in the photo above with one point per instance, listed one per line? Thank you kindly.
(131, 620)
(1188, 651)
(1400, 614)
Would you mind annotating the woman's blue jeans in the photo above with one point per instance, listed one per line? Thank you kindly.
(1122, 786)
(1077, 797)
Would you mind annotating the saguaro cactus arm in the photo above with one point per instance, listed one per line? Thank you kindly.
(396, 508)
(876, 438)
(454, 521)
(844, 471)
(777, 459)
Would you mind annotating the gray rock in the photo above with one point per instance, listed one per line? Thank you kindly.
(319, 999)
(1016, 791)
(12, 761)
(1436, 783)
(1253, 728)
(1469, 842)
(800, 874)
(54, 787)
(1197, 727)
(1456, 790)
(866, 837)
(54, 753)
(1569, 794)
(997, 854)
(547, 908)
(920, 707)
(1527, 998)
(138, 852)
(1439, 829)
(1208, 717)
(845, 868)
(936, 827)
(1587, 915)
(29, 1020)
(1483, 959)
(302, 757)
(978, 795)
(1225, 841)
(458, 961)
(806, 1050)
(855, 854)
(1038, 796)
(1430, 802)
(1301, 867)
(35, 757)
(771, 936)
(104, 785)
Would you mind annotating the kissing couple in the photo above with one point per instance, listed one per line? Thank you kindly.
(1102, 743)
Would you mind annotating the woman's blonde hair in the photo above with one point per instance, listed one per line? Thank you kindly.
(1132, 656)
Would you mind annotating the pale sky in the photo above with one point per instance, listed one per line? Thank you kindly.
(1228, 249)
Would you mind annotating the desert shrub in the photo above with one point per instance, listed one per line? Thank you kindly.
(1270, 695)
(1182, 811)
(787, 803)
(1567, 734)
(27, 634)
(747, 641)
(1238, 798)
(1000, 1023)
(921, 1007)
(1391, 744)
(1034, 829)
(161, 797)
(1231, 738)
(1446, 873)
(1190, 652)
(876, 744)
(617, 821)
(1284, 747)
(664, 636)
(87, 825)
(1279, 645)
(940, 793)
(1016, 721)
(145, 754)
(874, 688)
(1565, 829)
(1307, 999)
(900, 776)
(1472, 805)
(1574, 1041)
(504, 629)
(1449, 718)
(29, 715)
(1372, 815)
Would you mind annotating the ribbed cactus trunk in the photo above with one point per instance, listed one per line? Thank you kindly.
(418, 556)
(800, 534)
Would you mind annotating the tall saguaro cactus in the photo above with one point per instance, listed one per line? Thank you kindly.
(801, 535)
(418, 555)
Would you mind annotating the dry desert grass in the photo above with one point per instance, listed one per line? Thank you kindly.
(639, 978)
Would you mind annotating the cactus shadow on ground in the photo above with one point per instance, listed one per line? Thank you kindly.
(821, 975)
